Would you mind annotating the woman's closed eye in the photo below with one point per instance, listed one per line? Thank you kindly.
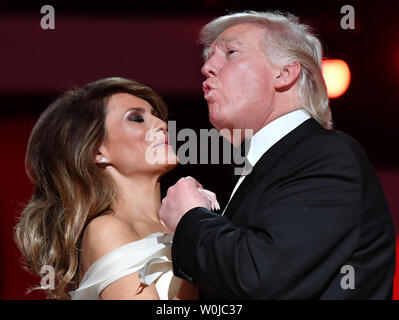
(136, 118)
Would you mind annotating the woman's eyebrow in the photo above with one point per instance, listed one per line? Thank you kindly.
(138, 109)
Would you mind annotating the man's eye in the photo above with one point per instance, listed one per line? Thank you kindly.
(136, 118)
(229, 52)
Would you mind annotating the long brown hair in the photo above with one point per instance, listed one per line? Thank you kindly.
(69, 189)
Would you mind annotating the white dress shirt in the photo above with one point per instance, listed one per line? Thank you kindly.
(270, 134)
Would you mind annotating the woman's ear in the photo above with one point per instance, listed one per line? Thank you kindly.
(102, 156)
(287, 77)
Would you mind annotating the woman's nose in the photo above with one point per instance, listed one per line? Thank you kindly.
(162, 126)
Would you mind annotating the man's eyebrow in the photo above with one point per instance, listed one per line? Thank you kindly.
(218, 42)
(228, 40)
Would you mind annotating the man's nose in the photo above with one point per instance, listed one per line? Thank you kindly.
(209, 69)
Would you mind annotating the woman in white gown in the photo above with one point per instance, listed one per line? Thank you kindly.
(96, 157)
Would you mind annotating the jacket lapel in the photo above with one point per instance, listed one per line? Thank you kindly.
(268, 159)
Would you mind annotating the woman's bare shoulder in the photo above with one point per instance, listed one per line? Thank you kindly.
(103, 235)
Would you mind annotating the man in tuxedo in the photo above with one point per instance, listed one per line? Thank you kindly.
(309, 219)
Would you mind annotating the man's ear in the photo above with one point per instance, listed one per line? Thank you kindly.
(287, 77)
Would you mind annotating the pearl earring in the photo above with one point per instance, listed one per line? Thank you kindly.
(103, 160)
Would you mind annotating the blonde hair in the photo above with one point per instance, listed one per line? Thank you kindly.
(285, 41)
(70, 189)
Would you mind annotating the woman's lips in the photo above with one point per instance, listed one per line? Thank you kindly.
(164, 143)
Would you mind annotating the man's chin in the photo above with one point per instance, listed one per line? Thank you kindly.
(215, 118)
(218, 120)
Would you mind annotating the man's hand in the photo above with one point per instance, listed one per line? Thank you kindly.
(185, 195)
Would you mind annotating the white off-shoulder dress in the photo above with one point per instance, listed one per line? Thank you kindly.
(150, 256)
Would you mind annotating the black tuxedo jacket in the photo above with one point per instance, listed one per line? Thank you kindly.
(311, 207)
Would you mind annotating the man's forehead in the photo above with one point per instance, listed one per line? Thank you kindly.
(227, 38)
(238, 33)
(241, 34)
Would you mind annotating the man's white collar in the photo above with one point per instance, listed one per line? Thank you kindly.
(270, 134)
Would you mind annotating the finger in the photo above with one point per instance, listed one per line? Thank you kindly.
(217, 205)
(212, 198)
(207, 196)
(196, 183)
(210, 194)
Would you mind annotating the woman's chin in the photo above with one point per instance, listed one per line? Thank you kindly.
(165, 168)
(168, 163)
